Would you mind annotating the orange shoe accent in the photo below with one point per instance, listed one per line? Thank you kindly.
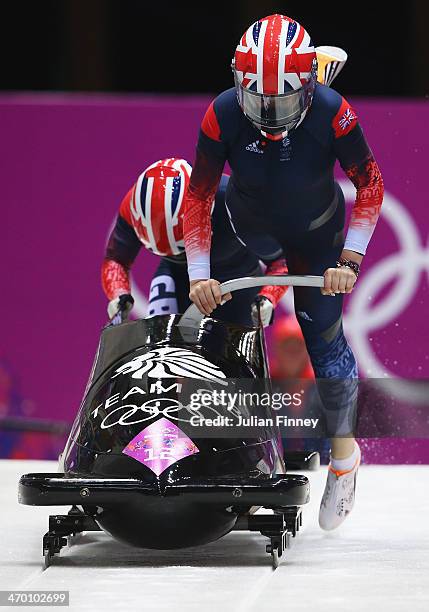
(339, 473)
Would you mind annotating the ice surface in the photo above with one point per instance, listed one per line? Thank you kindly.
(378, 560)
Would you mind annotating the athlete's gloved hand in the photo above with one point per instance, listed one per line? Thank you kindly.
(123, 304)
(206, 295)
(266, 311)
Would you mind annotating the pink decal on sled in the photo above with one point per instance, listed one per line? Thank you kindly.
(160, 445)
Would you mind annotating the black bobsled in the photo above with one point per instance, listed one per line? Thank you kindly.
(132, 466)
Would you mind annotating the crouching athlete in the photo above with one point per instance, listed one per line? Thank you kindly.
(281, 133)
(151, 215)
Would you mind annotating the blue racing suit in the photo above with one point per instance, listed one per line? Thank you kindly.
(284, 192)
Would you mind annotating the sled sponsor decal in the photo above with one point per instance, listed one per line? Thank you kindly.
(170, 362)
(160, 445)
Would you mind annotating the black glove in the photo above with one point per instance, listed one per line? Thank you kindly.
(120, 306)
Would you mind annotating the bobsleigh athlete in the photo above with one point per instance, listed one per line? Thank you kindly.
(151, 215)
(281, 133)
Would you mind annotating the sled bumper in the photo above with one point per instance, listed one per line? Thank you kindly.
(59, 489)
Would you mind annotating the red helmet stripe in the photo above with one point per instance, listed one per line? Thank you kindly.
(271, 52)
(162, 170)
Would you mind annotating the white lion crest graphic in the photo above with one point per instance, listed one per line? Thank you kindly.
(172, 363)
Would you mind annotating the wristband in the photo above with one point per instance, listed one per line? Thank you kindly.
(347, 263)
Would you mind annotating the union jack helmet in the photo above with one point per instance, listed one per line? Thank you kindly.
(275, 73)
(156, 205)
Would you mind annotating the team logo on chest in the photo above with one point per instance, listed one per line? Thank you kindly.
(285, 150)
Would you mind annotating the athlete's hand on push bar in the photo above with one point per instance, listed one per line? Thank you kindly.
(343, 278)
(206, 295)
(338, 280)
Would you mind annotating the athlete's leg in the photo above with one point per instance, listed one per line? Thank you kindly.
(320, 318)
(332, 358)
(334, 364)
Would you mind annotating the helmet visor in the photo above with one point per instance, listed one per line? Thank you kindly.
(275, 111)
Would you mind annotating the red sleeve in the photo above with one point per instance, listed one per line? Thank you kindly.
(122, 249)
(367, 179)
(357, 161)
(199, 198)
(114, 279)
(273, 292)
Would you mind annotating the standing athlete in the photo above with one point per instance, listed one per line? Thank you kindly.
(151, 215)
(281, 133)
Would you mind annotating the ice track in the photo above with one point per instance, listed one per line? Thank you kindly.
(379, 559)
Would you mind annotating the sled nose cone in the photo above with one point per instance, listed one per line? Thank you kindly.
(163, 523)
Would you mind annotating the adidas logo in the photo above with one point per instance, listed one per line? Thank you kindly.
(304, 315)
(254, 147)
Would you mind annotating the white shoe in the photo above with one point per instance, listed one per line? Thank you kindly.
(339, 496)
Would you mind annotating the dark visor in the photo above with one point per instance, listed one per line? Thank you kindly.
(275, 111)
